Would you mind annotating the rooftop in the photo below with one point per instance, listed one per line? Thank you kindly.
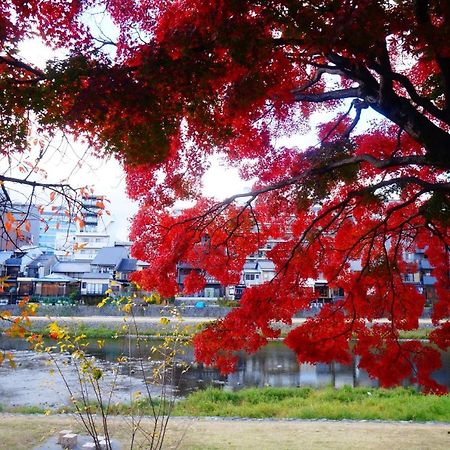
(110, 256)
(71, 267)
(127, 265)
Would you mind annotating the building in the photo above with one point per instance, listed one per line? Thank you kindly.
(71, 239)
(420, 275)
(20, 225)
(56, 229)
(212, 289)
(14, 266)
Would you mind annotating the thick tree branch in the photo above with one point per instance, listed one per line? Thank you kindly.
(13, 62)
(423, 102)
(327, 96)
(433, 35)
(395, 108)
(400, 161)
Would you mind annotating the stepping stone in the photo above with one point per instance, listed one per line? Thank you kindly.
(61, 434)
(69, 440)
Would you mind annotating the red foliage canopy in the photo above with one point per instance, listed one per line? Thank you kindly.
(186, 79)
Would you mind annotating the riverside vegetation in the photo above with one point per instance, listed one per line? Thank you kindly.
(300, 403)
(101, 332)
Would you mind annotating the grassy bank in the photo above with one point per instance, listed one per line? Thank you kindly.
(302, 403)
(307, 403)
(111, 333)
(103, 332)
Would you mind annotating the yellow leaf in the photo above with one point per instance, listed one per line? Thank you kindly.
(56, 332)
(164, 321)
(127, 308)
(102, 303)
(33, 307)
(10, 357)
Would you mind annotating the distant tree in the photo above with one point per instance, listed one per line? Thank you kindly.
(183, 80)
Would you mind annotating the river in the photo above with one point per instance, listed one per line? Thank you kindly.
(36, 382)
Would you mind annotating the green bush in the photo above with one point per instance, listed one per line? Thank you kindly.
(328, 403)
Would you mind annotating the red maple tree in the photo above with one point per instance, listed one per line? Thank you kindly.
(184, 80)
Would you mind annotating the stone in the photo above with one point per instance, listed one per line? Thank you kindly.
(61, 434)
(69, 440)
(88, 445)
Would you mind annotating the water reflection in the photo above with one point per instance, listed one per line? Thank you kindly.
(274, 365)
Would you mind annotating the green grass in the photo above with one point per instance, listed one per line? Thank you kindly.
(109, 333)
(307, 403)
(420, 333)
(24, 410)
(297, 403)
(89, 332)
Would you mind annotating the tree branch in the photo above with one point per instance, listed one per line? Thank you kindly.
(10, 61)
(327, 96)
(4, 178)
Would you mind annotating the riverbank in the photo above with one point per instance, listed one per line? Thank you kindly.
(103, 326)
(18, 432)
(346, 403)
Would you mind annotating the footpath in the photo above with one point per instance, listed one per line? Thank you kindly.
(189, 433)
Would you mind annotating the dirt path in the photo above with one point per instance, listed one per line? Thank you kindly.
(25, 431)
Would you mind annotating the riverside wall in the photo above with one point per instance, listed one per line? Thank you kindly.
(208, 311)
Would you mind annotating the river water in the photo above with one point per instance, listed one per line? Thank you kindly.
(36, 381)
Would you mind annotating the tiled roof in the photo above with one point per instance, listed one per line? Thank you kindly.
(96, 276)
(266, 265)
(110, 256)
(429, 281)
(127, 265)
(41, 259)
(54, 277)
(248, 265)
(13, 262)
(71, 267)
(425, 264)
(4, 256)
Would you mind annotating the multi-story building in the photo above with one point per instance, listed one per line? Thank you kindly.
(19, 225)
(68, 239)
(56, 231)
(420, 275)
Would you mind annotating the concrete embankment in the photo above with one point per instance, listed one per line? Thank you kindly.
(146, 317)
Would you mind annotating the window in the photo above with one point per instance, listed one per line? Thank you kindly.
(337, 292)
(96, 288)
(408, 277)
(322, 291)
